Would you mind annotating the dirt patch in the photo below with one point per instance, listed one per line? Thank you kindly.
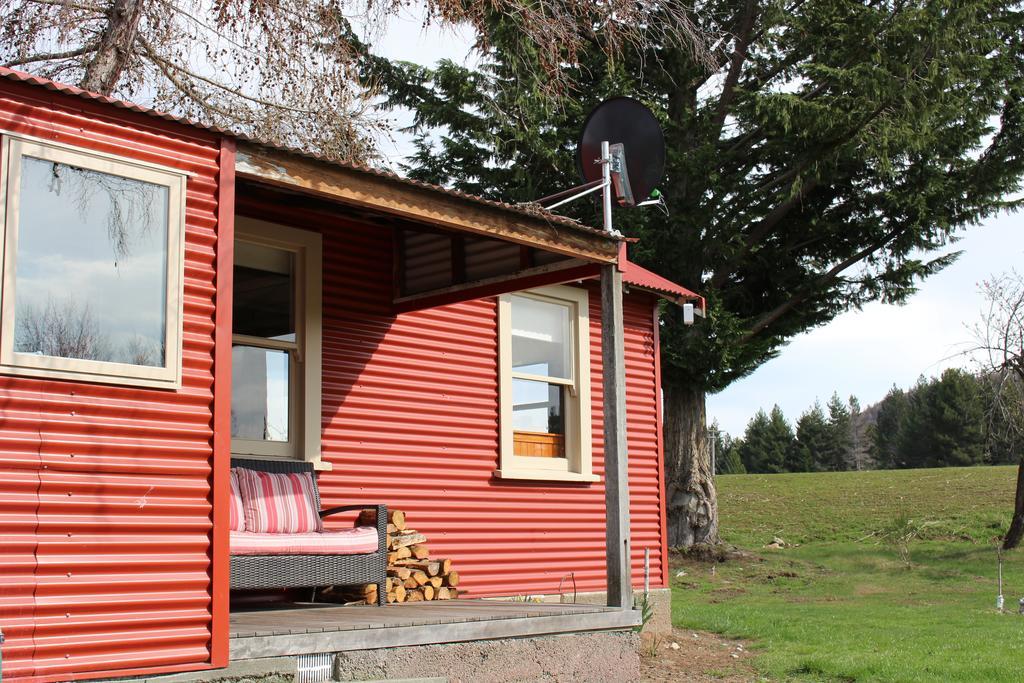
(704, 553)
(701, 657)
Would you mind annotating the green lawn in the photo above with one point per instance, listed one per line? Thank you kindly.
(844, 604)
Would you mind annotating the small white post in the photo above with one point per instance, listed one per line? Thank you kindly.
(647, 570)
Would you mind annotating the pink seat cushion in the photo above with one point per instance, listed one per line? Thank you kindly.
(361, 539)
(279, 502)
(237, 515)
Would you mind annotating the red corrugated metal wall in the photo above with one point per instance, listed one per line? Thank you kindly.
(105, 490)
(410, 419)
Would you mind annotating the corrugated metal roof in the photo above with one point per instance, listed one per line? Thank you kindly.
(641, 278)
(529, 210)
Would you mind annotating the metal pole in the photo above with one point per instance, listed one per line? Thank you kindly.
(606, 173)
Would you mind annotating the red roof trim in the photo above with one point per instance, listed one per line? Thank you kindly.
(641, 278)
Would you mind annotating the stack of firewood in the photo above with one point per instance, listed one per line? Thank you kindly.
(413, 576)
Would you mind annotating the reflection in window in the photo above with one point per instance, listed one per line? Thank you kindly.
(91, 265)
(259, 394)
(538, 419)
(541, 349)
(264, 292)
(540, 337)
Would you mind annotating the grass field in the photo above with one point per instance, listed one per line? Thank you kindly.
(891, 577)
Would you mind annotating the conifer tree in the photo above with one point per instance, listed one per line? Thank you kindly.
(768, 443)
(840, 430)
(813, 441)
(887, 434)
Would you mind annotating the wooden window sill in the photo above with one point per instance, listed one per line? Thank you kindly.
(547, 475)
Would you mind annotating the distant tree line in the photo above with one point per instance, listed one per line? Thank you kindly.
(943, 421)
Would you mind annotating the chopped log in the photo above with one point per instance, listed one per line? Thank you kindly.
(414, 596)
(411, 583)
(391, 597)
(420, 577)
(453, 592)
(402, 573)
(400, 554)
(431, 567)
(443, 594)
(428, 592)
(419, 551)
(451, 579)
(446, 566)
(369, 518)
(392, 529)
(400, 593)
(406, 539)
(435, 581)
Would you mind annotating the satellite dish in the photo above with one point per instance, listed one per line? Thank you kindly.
(624, 121)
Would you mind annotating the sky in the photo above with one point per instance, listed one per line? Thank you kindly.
(860, 353)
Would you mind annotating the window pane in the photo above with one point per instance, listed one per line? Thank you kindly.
(264, 297)
(540, 337)
(259, 394)
(538, 419)
(91, 265)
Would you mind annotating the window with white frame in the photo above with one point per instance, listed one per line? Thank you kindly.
(276, 342)
(92, 265)
(544, 384)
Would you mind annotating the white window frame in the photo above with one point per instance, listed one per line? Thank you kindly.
(305, 394)
(577, 465)
(14, 148)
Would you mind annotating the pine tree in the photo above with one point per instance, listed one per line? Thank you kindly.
(727, 457)
(886, 437)
(840, 430)
(768, 443)
(957, 420)
(755, 446)
(813, 439)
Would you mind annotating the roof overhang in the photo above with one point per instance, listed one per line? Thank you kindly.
(645, 280)
(425, 204)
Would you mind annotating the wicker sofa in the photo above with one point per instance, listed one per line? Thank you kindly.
(294, 571)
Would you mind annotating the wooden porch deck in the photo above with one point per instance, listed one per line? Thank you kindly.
(312, 628)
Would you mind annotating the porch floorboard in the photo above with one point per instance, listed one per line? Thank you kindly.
(312, 628)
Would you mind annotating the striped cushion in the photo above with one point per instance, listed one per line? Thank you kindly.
(361, 539)
(237, 515)
(279, 502)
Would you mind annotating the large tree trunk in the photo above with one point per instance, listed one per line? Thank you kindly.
(114, 46)
(690, 483)
(1016, 532)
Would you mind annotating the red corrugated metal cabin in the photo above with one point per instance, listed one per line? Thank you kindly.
(126, 328)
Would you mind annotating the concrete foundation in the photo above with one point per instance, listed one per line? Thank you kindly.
(597, 657)
(602, 657)
(660, 600)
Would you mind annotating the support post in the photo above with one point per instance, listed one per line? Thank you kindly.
(616, 477)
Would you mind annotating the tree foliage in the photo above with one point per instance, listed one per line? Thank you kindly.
(938, 423)
(287, 71)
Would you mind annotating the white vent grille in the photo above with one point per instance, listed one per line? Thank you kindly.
(315, 668)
